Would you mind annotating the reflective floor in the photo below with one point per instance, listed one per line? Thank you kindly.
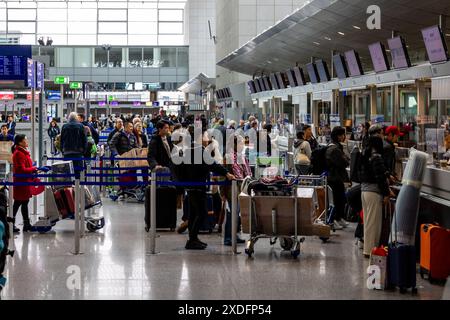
(115, 266)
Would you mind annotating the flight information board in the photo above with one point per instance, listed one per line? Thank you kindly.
(13, 62)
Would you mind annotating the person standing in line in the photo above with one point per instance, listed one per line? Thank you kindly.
(302, 154)
(53, 131)
(11, 125)
(74, 141)
(310, 138)
(4, 135)
(337, 164)
(141, 137)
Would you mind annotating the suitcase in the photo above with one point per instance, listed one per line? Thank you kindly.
(434, 252)
(386, 226)
(166, 208)
(64, 202)
(209, 223)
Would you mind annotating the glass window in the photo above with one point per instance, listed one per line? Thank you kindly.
(3, 26)
(100, 58)
(82, 27)
(134, 57)
(139, 39)
(183, 57)
(52, 14)
(171, 28)
(168, 57)
(50, 52)
(82, 15)
(112, 15)
(22, 14)
(142, 28)
(112, 27)
(82, 39)
(115, 58)
(83, 57)
(142, 15)
(170, 15)
(52, 27)
(64, 57)
(21, 27)
(148, 61)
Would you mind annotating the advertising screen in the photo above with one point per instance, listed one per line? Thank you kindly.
(281, 82)
(257, 86)
(435, 44)
(299, 76)
(312, 72)
(399, 53)
(53, 95)
(322, 68)
(251, 87)
(353, 63)
(261, 84)
(291, 78)
(267, 83)
(340, 67)
(274, 81)
(379, 58)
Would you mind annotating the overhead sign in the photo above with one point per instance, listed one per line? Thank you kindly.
(13, 62)
(40, 75)
(62, 80)
(36, 96)
(111, 98)
(6, 95)
(53, 95)
(76, 85)
(148, 104)
(31, 75)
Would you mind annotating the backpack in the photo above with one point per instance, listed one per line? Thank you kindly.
(355, 165)
(319, 161)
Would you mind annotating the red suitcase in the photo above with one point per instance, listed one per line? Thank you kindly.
(434, 252)
(67, 202)
(62, 208)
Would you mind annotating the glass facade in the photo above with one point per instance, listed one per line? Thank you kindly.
(93, 22)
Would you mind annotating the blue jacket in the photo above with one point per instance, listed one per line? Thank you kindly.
(73, 138)
(12, 128)
(8, 137)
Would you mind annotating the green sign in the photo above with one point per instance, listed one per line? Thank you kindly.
(111, 98)
(61, 80)
(76, 85)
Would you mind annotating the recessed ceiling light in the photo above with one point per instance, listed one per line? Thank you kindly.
(356, 27)
(387, 50)
(341, 33)
(447, 34)
(316, 43)
(269, 62)
(327, 38)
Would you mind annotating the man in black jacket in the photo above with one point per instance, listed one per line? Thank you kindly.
(160, 148)
(123, 141)
(391, 137)
(190, 171)
(74, 140)
(85, 123)
(337, 164)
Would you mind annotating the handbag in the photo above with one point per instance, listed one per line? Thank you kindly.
(37, 189)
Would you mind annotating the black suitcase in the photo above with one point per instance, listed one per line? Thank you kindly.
(402, 267)
(166, 208)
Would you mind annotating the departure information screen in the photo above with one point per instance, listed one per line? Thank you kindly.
(13, 62)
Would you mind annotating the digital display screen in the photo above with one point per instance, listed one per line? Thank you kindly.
(291, 78)
(261, 84)
(435, 44)
(312, 72)
(13, 62)
(322, 68)
(267, 83)
(114, 104)
(136, 104)
(299, 76)
(228, 92)
(379, 58)
(251, 87)
(353, 63)
(257, 86)
(280, 78)
(399, 53)
(340, 67)
(53, 95)
(274, 81)
(102, 104)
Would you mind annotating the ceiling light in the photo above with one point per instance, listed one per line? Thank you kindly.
(387, 50)
(341, 33)
(327, 38)
(447, 34)
(316, 43)
(356, 27)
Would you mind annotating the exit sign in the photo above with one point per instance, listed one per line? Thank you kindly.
(76, 85)
(111, 98)
(61, 80)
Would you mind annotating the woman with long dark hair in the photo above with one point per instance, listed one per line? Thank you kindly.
(22, 164)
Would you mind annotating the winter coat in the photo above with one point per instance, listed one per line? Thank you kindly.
(22, 164)
(337, 163)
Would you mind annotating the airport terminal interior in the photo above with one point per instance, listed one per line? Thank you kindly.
(224, 150)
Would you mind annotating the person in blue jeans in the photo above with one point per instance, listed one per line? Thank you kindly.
(238, 164)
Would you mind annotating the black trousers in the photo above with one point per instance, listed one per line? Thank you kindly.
(198, 210)
(24, 205)
(339, 198)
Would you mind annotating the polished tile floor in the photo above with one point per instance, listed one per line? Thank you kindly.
(115, 266)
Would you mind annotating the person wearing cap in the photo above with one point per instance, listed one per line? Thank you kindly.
(391, 136)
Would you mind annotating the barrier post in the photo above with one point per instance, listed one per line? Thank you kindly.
(82, 201)
(76, 250)
(12, 246)
(153, 214)
(234, 216)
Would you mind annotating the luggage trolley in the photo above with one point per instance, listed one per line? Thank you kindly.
(58, 203)
(290, 241)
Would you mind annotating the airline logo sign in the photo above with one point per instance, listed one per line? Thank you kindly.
(6, 95)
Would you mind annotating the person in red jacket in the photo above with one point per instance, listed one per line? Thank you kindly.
(22, 164)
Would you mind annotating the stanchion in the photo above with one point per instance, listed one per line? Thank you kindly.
(234, 216)
(12, 246)
(82, 206)
(76, 250)
(153, 214)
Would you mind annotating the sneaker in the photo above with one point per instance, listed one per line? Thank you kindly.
(337, 226)
(16, 230)
(343, 223)
(28, 228)
(201, 242)
(183, 227)
(194, 245)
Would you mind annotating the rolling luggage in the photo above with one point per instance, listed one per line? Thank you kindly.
(64, 202)
(210, 221)
(434, 252)
(388, 212)
(166, 208)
